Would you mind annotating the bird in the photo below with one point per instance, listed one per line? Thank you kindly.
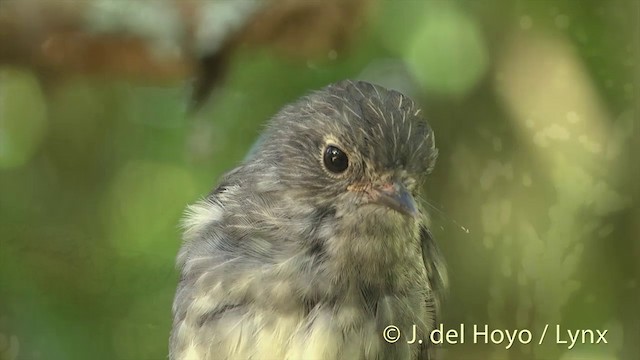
(318, 242)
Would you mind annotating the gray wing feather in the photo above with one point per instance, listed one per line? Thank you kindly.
(438, 281)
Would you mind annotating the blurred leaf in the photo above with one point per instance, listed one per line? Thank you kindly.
(22, 117)
(447, 54)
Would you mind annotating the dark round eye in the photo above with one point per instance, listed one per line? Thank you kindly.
(335, 159)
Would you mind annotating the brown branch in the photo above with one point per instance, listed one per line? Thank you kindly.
(61, 38)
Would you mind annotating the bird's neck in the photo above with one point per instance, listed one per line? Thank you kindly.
(334, 251)
(376, 255)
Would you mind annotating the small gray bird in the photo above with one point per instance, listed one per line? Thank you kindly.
(316, 243)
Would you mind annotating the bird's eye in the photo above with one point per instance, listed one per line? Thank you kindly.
(335, 160)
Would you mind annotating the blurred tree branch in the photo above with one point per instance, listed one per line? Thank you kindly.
(166, 41)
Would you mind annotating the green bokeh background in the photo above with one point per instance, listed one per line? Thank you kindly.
(535, 109)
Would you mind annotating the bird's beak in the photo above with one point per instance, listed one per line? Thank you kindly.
(397, 197)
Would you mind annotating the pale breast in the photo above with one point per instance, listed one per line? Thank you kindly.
(338, 331)
(242, 333)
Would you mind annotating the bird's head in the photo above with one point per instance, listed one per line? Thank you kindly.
(354, 147)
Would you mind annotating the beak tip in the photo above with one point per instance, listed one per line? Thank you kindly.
(399, 199)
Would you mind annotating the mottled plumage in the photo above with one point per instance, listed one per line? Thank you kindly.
(296, 256)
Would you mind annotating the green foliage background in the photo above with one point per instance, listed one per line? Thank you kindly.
(535, 109)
